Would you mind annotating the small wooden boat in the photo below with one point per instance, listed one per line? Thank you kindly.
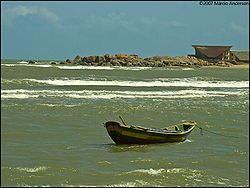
(124, 134)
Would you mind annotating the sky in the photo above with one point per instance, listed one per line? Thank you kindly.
(63, 29)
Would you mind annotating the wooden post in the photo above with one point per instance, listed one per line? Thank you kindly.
(229, 56)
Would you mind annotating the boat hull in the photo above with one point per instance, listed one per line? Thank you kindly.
(122, 134)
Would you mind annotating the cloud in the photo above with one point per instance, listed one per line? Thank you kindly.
(157, 22)
(148, 20)
(175, 23)
(9, 15)
(114, 21)
(239, 28)
(21, 11)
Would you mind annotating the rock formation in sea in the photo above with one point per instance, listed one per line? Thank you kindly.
(135, 60)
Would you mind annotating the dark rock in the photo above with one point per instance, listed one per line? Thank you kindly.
(84, 63)
(100, 59)
(31, 62)
(107, 57)
(89, 59)
(77, 59)
(69, 61)
(134, 55)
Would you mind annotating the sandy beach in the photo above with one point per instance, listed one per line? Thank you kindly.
(242, 66)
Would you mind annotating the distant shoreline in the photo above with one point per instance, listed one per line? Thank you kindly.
(125, 60)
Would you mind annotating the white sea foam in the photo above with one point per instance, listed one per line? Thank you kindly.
(147, 171)
(141, 160)
(27, 185)
(175, 170)
(86, 67)
(187, 69)
(173, 82)
(59, 105)
(22, 62)
(9, 65)
(125, 184)
(50, 105)
(92, 67)
(76, 67)
(35, 169)
(105, 94)
(137, 183)
(18, 96)
(187, 140)
(39, 65)
(80, 67)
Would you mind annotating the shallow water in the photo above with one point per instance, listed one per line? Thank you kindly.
(52, 132)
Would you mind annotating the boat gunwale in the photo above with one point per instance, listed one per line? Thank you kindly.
(144, 130)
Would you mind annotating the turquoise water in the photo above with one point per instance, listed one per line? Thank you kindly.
(52, 132)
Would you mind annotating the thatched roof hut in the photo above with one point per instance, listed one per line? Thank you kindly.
(212, 52)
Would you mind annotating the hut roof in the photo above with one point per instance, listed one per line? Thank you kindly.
(242, 55)
(211, 51)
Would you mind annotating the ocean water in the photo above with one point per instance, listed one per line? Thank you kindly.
(52, 132)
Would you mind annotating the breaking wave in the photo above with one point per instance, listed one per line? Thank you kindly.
(105, 94)
(75, 67)
(169, 82)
